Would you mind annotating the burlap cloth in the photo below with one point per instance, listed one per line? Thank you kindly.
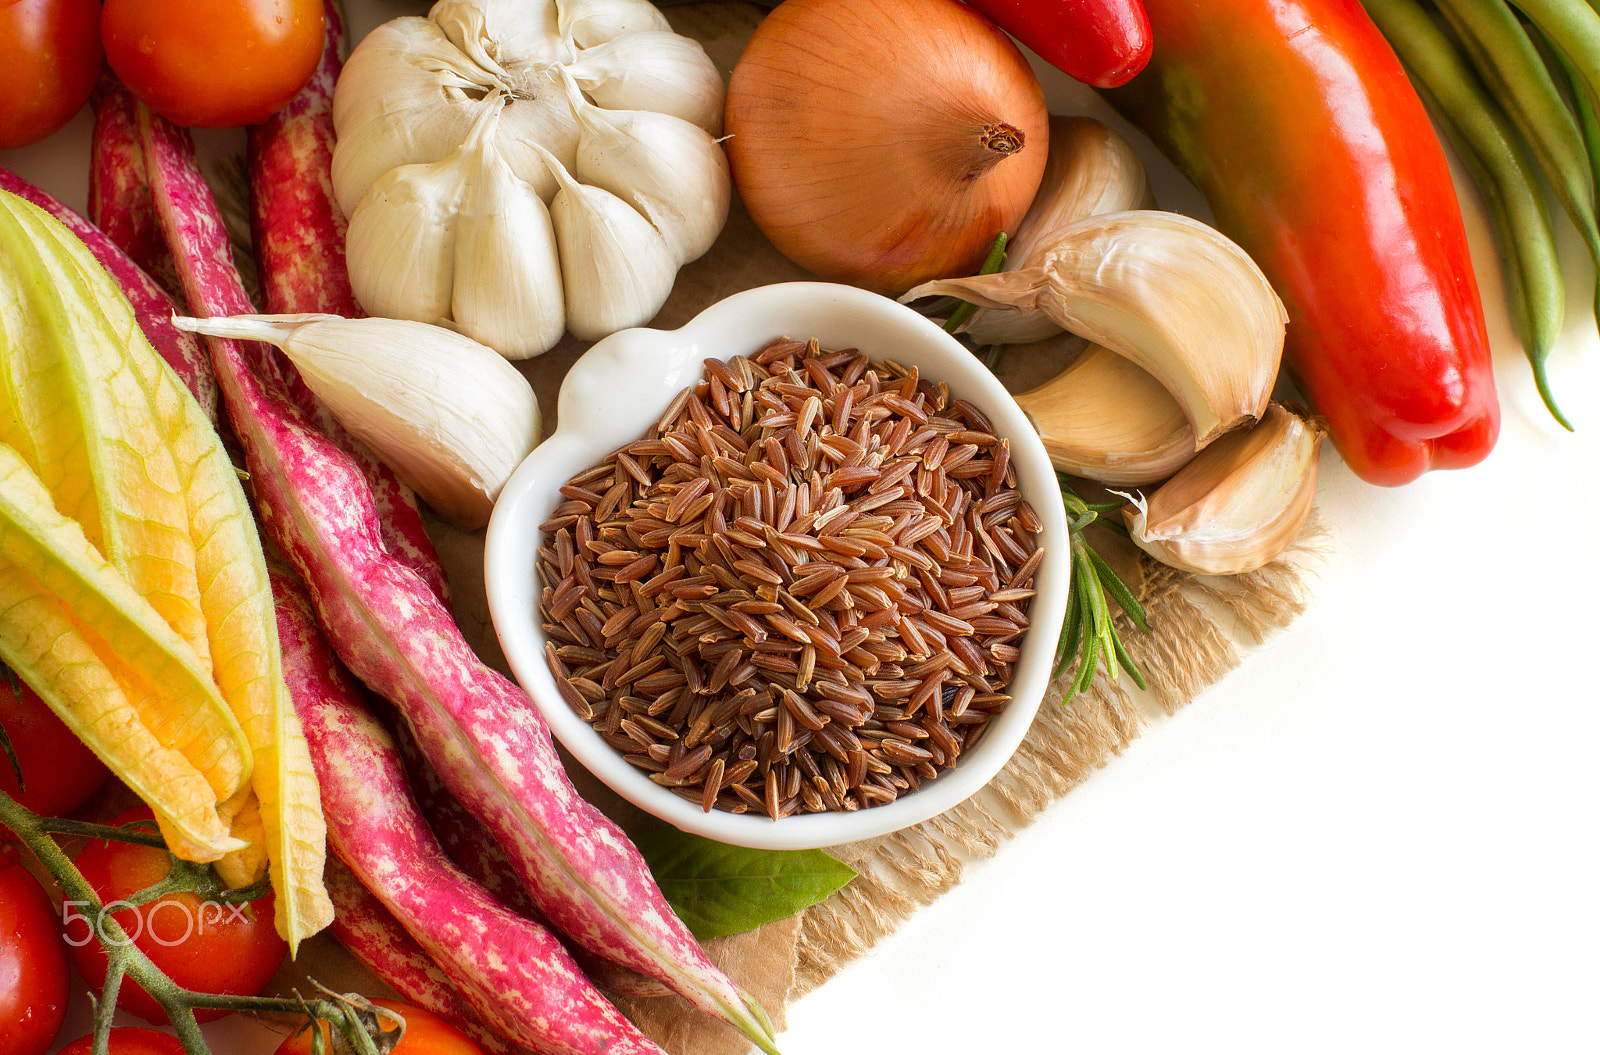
(1200, 629)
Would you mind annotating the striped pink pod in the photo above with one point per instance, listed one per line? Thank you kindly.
(383, 946)
(479, 730)
(152, 306)
(298, 234)
(513, 973)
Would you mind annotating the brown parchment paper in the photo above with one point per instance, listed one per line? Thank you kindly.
(1200, 630)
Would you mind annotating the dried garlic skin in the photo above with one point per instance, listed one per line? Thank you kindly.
(1090, 171)
(1239, 504)
(1105, 419)
(1168, 292)
(590, 22)
(413, 93)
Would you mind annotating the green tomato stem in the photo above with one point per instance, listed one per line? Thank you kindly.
(127, 960)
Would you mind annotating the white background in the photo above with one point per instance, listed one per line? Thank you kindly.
(1377, 835)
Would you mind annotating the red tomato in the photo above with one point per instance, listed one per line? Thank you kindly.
(198, 943)
(129, 1040)
(426, 1034)
(213, 63)
(33, 963)
(51, 59)
(58, 770)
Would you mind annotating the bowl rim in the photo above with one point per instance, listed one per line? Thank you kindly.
(512, 540)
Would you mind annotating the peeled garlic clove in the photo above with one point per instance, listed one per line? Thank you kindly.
(668, 169)
(616, 268)
(1239, 504)
(1168, 292)
(1090, 171)
(450, 416)
(1106, 420)
(653, 70)
(507, 280)
(591, 22)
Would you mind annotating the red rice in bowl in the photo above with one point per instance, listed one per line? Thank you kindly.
(803, 591)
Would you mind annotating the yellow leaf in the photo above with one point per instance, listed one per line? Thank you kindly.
(90, 416)
(234, 593)
(160, 676)
(244, 866)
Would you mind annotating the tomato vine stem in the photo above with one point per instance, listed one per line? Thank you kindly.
(358, 1026)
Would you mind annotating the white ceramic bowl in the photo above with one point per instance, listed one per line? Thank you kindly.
(619, 388)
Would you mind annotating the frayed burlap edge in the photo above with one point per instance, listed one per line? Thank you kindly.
(1199, 629)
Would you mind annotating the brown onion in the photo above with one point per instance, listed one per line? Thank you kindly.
(885, 142)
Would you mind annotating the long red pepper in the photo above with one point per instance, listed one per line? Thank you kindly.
(1297, 122)
(1099, 42)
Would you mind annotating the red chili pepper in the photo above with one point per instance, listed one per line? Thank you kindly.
(1296, 121)
(1100, 42)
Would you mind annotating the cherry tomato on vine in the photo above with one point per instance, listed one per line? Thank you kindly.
(426, 1034)
(129, 1040)
(33, 963)
(51, 51)
(197, 941)
(213, 63)
(58, 771)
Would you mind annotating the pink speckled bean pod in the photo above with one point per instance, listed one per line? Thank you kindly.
(119, 194)
(151, 305)
(512, 972)
(473, 848)
(377, 939)
(297, 233)
(479, 730)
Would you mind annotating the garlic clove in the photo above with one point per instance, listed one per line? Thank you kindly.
(1090, 171)
(668, 169)
(507, 278)
(1166, 291)
(400, 242)
(591, 22)
(546, 119)
(616, 269)
(1239, 504)
(405, 96)
(504, 35)
(1106, 420)
(449, 415)
(653, 70)
(408, 95)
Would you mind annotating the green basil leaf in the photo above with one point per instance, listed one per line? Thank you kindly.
(718, 889)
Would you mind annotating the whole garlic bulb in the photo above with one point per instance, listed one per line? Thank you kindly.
(605, 75)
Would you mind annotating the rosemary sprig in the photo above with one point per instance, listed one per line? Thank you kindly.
(1089, 634)
(991, 263)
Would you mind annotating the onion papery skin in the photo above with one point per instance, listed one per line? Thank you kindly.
(858, 135)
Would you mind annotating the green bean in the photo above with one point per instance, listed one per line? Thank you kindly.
(1491, 148)
(1501, 51)
(1574, 28)
(1583, 105)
